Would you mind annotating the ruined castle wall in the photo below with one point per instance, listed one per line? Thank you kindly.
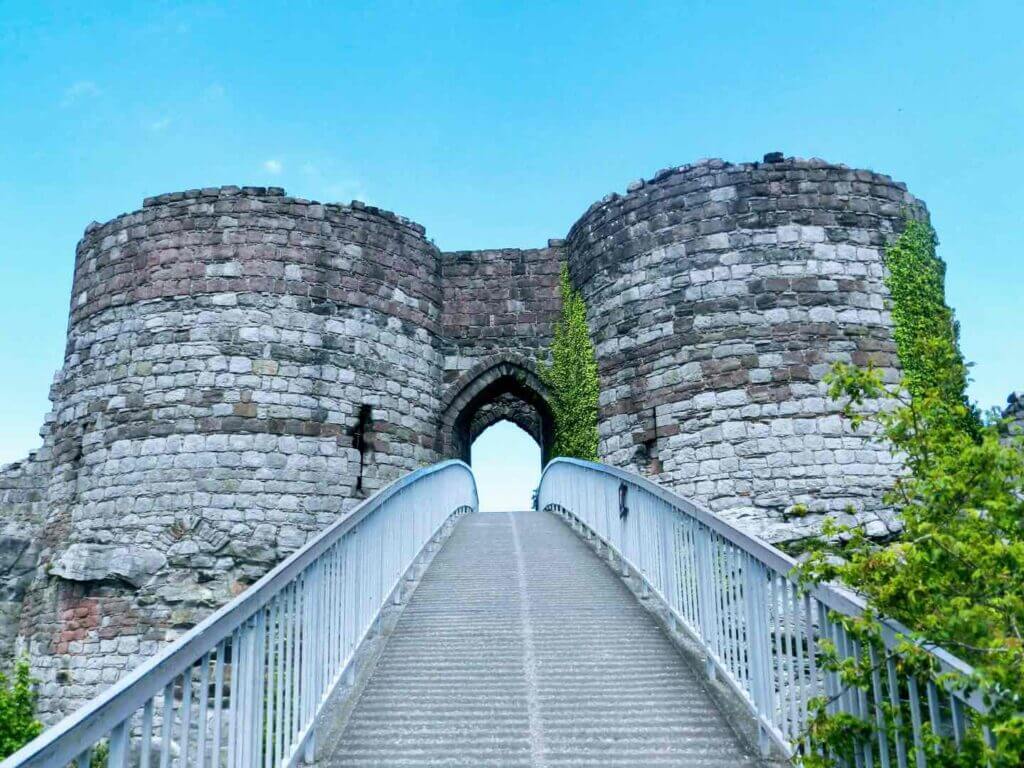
(22, 513)
(500, 308)
(718, 297)
(1014, 414)
(222, 345)
(498, 301)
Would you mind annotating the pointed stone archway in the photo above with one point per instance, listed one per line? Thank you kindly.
(501, 388)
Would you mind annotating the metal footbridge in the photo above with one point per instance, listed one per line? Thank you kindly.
(620, 625)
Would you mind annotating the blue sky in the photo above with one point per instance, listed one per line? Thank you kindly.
(495, 125)
(506, 462)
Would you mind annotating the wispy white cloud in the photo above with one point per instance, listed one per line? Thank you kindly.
(159, 126)
(214, 91)
(80, 90)
(346, 190)
(273, 166)
(326, 185)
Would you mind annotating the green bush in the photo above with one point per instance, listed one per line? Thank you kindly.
(571, 379)
(18, 723)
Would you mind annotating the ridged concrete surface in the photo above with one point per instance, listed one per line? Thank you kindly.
(521, 648)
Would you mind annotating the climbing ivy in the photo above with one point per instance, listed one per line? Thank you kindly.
(571, 378)
(926, 333)
(18, 723)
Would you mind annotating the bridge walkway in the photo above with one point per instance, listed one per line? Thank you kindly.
(520, 647)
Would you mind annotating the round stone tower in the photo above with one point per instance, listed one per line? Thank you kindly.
(241, 366)
(718, 296)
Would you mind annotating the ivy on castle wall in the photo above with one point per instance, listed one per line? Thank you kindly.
(926, 332)
(571, 378)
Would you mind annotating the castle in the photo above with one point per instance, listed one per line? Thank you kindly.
(243, 366)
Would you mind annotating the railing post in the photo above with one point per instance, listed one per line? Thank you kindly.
(119, 747)
(669, 570)
(758, 645)
(308, 655)
(707, 606)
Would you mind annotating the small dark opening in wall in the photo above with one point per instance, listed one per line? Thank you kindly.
(76, 454)
(651, 457)
(647, 450)
(359, 441)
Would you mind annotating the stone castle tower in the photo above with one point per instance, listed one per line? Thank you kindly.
(242, 366)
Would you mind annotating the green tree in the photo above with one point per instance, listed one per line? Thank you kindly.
(18, 723)
(571, 378)
(955, 575)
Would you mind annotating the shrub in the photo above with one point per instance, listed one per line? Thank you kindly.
(18, 723)
(955, 576)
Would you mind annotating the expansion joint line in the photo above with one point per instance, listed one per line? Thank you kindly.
(538, 756)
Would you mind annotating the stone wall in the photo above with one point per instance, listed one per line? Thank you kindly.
(718, 296)
(498, 301)
(243, 366)
(22, 513)
(222, 344)
(500, 307)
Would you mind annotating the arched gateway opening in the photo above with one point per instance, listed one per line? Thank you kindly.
(506, 464)
(507, 389)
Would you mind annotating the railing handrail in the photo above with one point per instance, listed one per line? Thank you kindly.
(80, 729)
(755, 630)
(833, 595)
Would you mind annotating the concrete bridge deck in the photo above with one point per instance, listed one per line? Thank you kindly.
(520, 647)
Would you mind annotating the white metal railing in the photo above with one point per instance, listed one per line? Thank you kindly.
(243, 688)
(734, 594)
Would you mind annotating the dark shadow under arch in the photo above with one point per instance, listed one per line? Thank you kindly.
(502, 388)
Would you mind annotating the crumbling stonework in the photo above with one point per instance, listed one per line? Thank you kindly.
(1014, 413)
(243, 366)
(22, 512)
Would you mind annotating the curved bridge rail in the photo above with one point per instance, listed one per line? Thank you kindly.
(243, 688)
(734, 595)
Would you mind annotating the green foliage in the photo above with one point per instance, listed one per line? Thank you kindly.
(18, 723)
(924, 328)
(956, 575)
(100, 755)
(571, 378)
